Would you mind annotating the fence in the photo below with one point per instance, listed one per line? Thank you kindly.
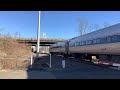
(14, 63)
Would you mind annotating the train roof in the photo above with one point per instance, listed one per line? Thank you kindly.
(59, 43)
(108, 31)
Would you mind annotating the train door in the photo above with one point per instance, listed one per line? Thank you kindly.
(66, 47)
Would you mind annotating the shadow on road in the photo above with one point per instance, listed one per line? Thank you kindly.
(37, 70)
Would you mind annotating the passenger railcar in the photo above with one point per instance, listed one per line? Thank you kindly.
(58, 48)
(103, 43)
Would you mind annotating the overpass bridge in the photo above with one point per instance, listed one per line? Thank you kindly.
(43, 41)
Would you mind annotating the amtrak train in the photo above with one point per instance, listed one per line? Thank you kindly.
(104, 44)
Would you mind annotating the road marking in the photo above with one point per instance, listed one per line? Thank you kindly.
(106, 63)
(117, 68)
(115, 64)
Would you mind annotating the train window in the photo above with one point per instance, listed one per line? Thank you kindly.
(83, 43)
(79, 43)
(109, 39)
(72, 45)
(76, 44)
(115, 38)
(103, 40)
(98, 41)
(118, 38)
(87, 42)
(90, 42)
(94, 41)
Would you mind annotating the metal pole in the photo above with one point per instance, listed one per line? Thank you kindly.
(38, 34)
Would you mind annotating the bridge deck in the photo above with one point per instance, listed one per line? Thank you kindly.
(43, 41)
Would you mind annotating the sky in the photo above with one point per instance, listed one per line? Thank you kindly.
(56, 24)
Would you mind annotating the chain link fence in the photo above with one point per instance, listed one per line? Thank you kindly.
(14, 63)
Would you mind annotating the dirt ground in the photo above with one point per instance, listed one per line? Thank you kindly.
(13, 55)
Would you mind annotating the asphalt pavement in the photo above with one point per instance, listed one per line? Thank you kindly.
(74, 69)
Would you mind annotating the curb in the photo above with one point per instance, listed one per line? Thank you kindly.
(107, 63)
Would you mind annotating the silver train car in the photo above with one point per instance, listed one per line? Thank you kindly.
(103, 43)
(58, 48)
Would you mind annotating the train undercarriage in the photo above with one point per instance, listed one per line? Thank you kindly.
(92, 57)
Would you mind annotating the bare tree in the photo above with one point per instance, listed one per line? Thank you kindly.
(19, 35)
(83, 23)
(106, 24)
(96, 27)
(90, 28)
(16, 35)
(8, 35)
(1, 29)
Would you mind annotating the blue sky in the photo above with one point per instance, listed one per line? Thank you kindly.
(56, 24)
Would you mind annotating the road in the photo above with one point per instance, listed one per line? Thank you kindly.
(82, 70)
(73, 70)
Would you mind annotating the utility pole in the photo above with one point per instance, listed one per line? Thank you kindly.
(38, 35)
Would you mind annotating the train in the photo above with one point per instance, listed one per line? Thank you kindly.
(42, 49)
(102, 44)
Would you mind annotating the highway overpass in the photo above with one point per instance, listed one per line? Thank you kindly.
(43, 41)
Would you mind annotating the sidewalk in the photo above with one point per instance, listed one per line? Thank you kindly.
(22, 74)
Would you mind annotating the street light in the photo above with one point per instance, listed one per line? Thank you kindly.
(38, 34)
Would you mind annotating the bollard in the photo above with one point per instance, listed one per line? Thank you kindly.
(31, 62)
(63, 63)
(50, 62)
